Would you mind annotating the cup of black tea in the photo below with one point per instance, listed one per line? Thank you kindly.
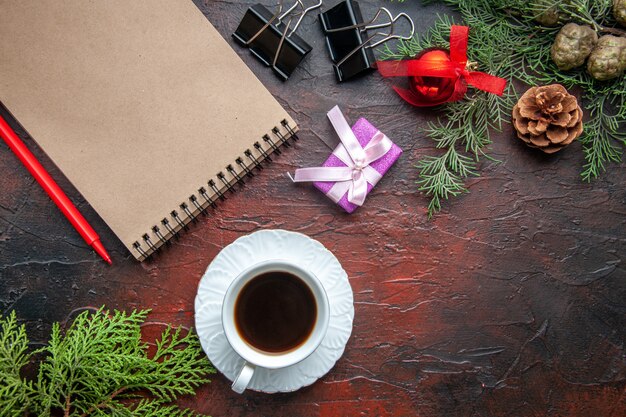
(275, 314)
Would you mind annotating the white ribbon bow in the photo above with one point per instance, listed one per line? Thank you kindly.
(354, 177)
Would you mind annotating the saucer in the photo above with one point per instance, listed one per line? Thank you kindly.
(250, 250)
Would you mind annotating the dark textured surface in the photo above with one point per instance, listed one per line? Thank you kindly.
(511, 302)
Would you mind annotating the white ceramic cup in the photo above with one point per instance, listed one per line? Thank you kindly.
(257, 358)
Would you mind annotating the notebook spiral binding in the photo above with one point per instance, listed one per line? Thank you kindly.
(209, 195)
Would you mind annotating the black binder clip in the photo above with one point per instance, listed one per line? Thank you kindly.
(273, 42)
(347, 40)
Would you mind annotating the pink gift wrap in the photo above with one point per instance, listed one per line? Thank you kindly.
(364, 132)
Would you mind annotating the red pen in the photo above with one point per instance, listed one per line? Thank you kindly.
(52, 188)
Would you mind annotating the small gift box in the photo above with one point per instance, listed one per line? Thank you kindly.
(362, 157)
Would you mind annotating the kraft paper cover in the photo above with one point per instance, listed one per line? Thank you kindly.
(139, 102)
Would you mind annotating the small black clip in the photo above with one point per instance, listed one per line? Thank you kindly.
(270, 40)
(348, 42)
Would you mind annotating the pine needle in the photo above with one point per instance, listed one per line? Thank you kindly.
(100, 366)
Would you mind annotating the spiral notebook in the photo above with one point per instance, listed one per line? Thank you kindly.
(142, 104)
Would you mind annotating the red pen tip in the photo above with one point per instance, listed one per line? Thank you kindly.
(97, 246)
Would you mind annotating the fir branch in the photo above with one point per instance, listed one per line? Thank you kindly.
(506, 41)
(442, 177)
(100, 366)
(173, 354)
(603, 132)
(109, 402)
(15, 393)
(155, 409)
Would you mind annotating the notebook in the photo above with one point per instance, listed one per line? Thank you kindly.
(142, 104)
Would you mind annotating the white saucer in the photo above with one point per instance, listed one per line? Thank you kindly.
(250, 250)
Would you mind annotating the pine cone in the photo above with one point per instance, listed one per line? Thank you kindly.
(572, 46)
(619, 11)
(608, 58)
(548, 118)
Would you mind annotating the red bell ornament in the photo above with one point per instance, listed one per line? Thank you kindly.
(429, 90)
(437, 76)
(432, 87)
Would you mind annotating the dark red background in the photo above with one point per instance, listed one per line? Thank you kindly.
(511, 302)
